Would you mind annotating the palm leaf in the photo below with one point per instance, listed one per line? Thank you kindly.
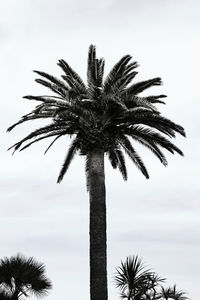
(53, 79)
(70, 154)
(116, 73)
(54, 87)
(121, 163)
(125, 143)
(70, 73)
(143, 85)
(148, 135)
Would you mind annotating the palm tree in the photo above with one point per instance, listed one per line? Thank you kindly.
(172, 293)
(136, 282)
(21, 276)
(101, 117)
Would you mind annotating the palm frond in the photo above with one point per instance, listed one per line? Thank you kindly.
(125, 143)
(52, 128)
(152, 147)
(113, 158)
(119, 85)
(91, 76)
(47, 99)
(140, 133)
(117, 72)
(157, 121)
(134, 102)
(70, 73)
(130, 67)
(87, 168)
(58, 134)
(70, 155)
(54, 140)
(121, 163)
(139, 87)
(53, 79)
(29, 117)
(54, 87)
(156, 99)
(95, 72)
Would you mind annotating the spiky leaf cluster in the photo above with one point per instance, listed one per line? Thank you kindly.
(21, 276)
(107, 114)
(136, 282)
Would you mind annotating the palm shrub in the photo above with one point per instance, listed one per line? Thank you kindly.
(21, 277)
(136, 282)
(172, 293)
(102, 117)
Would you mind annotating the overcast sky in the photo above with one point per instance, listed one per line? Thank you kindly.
(158, 219)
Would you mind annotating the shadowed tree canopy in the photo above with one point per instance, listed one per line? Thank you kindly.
(21, 277)
(107, 114)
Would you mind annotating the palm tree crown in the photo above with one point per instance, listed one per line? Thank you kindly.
(104, 114)
(20, 276)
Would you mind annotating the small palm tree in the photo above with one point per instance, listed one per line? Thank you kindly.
(101, 117)
(21, 276)
(172, 293)
(138, 283)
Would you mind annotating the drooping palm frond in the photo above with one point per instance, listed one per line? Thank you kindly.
(143, 134)
(155, 121)
(134, 156)
(70, 154)
(121, 163)
(150, 144)
(44, 132)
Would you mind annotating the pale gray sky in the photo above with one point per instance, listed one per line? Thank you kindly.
(158, 219)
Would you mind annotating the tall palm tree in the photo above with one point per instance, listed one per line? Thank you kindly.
(101, 117)
(138, 283)
(21, 276)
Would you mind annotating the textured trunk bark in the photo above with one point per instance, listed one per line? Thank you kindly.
(98, 259)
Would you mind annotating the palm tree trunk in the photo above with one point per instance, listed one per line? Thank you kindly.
(98, 259)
